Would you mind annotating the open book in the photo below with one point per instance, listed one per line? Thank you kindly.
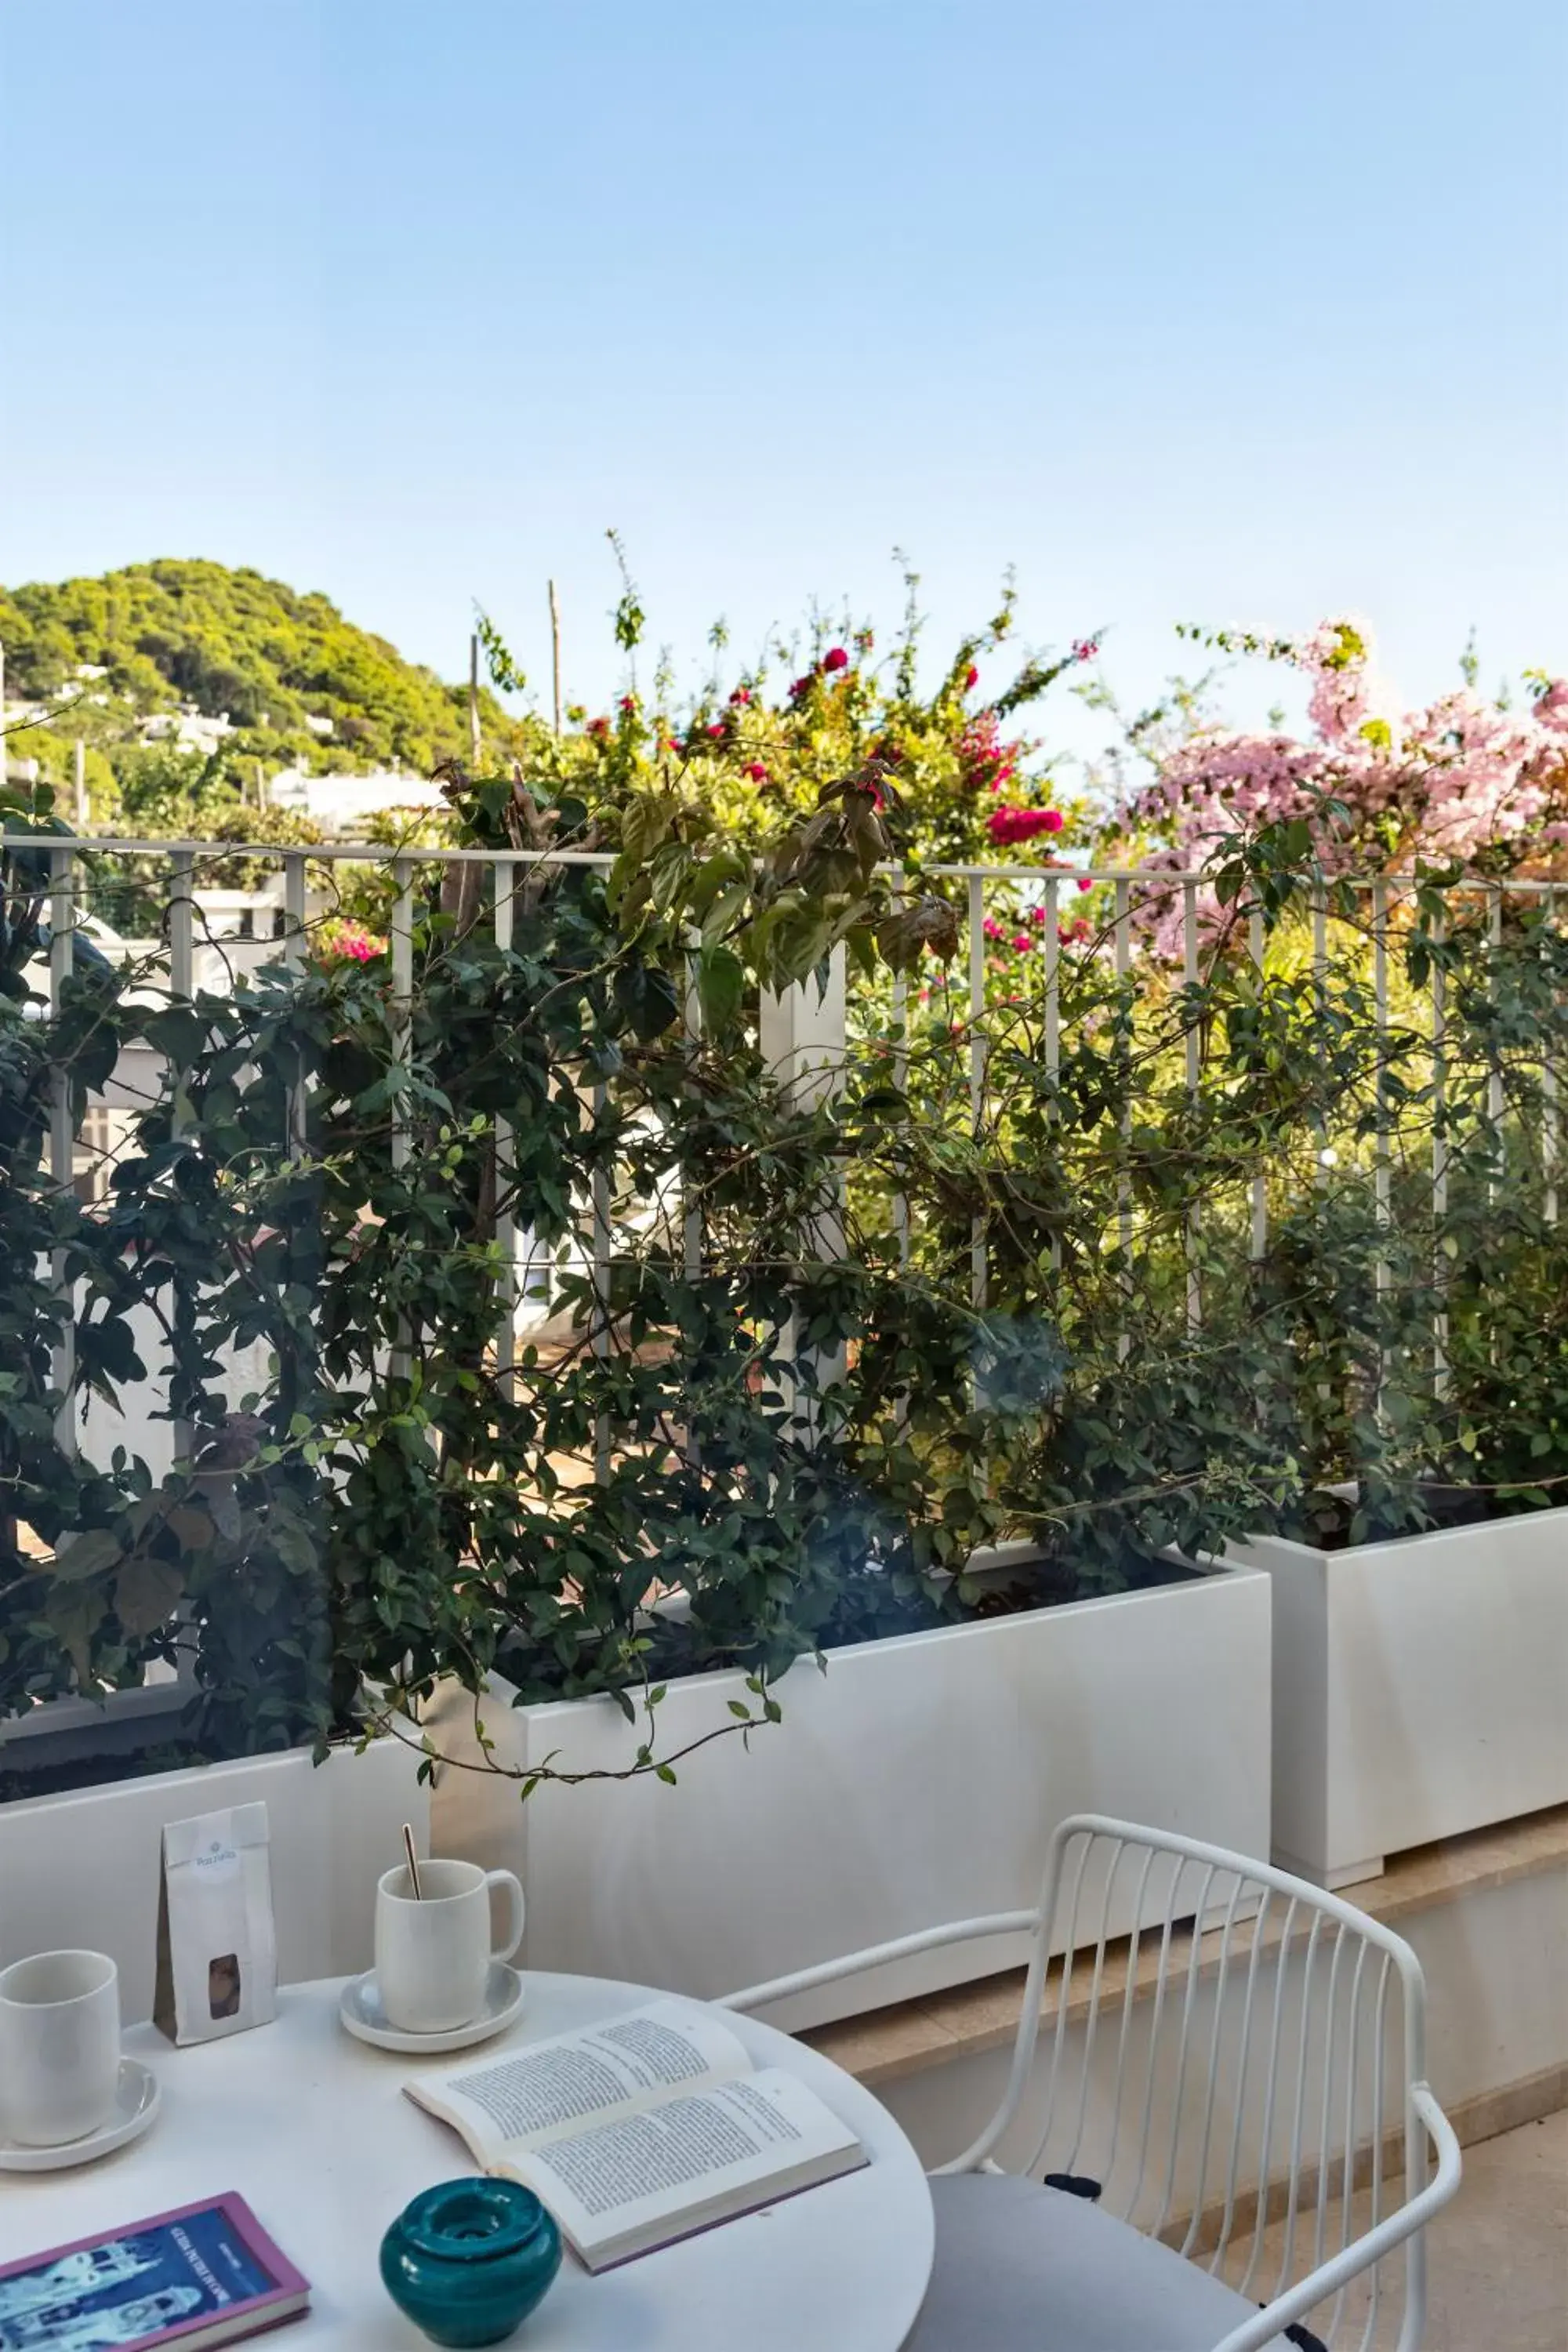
(643, 2130)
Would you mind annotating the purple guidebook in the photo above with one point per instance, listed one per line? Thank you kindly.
(206, 2274)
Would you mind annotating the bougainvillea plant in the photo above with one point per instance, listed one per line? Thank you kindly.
(779, 1388)
(1462, 783)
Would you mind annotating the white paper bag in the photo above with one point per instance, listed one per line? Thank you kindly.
(217, 1949)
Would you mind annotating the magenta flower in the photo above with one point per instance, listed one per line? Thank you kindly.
(757, 772)
(1084, 883)
(742, 694)
(1007, 825)
(972, 680)
(1085, 649)
(717, 727)
(836, 659)
(1023, 942)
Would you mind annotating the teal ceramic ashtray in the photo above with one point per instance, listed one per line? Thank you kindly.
(469, 2260)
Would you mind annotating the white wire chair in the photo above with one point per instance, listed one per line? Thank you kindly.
(1211, 2087)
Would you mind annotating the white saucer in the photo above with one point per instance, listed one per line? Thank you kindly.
(360, 2009)
(135, 2104)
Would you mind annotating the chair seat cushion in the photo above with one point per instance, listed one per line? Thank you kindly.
(1020, 2268)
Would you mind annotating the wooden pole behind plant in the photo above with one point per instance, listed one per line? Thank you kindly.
(474, 702)
(556, 652)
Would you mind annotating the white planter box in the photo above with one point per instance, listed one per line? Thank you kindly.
(914, 1782)
(81, 1871)
(1420, 1688)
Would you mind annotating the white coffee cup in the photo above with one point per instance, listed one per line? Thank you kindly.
(59, 2046)
(434, 1953)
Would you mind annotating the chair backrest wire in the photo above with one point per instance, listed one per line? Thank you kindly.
(1235, 2078)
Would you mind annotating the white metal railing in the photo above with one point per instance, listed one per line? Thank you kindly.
(1131, 892)
(1045, 884)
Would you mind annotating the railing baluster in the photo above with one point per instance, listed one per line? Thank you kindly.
(600, 1330)
(1260, 1240)
(294, 879)
(181, 988)
(1384, 1273)
(900, 1072)
(1494, 1077)
(1550, 1133)
(1195, 1081)
(977, 1253)
(401, 1022)
(1440, 1157)
(62, 1133)
(505, 874)
(1124, 1180)
(1054, 1015)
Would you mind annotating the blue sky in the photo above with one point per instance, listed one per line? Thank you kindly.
(1223, 312)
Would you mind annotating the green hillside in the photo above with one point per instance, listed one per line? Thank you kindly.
(197, 634)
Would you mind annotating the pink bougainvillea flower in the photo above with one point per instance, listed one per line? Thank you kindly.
(1023, 942)
(757, 772)
(350, 943)
(628, 702)
(742, 694)
(716, 727)
(992, 927)
(1085, 649)
(801, 685)
(1037, 916)
(836, 658)
(1007, 825)
(1084, 883)
(972, 679)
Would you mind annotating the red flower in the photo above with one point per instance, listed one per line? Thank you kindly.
(1085, 649)
(742, 694)
(836, 659)
(599, 728)
(973, 680)
(801, 685)
(1023, 942)
(628, 702)
(757, 772)
(1037, 916)
(717, 727)
(1084, 883)
(1007, 825)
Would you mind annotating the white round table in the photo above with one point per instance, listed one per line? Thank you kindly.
(314, 2131)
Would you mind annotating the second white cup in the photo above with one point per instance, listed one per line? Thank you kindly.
(434, 1953)
(59, 2046)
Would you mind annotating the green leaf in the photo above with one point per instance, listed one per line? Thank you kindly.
(85, 1555)
(146, 1594)
(720, 988)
